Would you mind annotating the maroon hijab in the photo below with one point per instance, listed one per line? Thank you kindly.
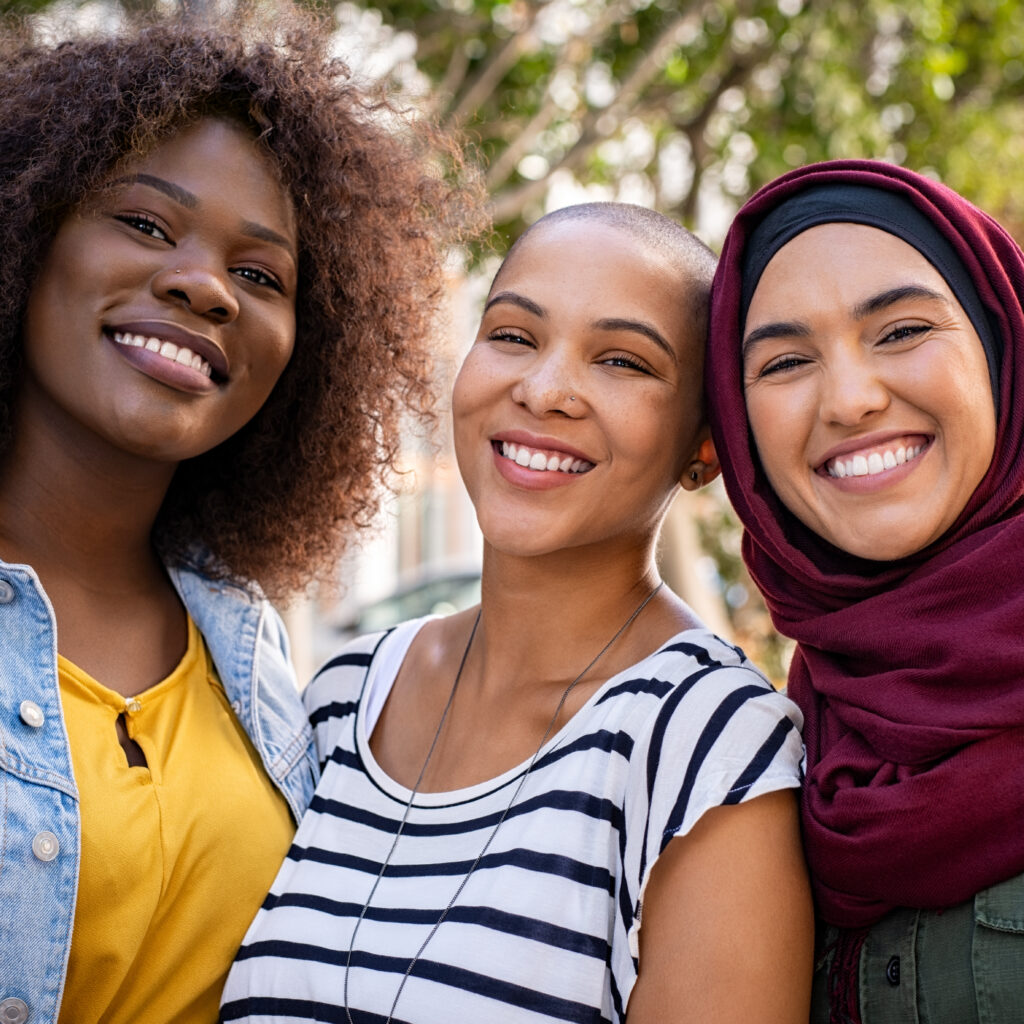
(910, 673)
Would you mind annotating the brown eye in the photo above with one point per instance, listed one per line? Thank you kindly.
(144, 225)
(503, 334)
(904, 333)
(627, 362)
(258, 276)
(781, 365)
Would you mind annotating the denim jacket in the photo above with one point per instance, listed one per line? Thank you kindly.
(39, 820)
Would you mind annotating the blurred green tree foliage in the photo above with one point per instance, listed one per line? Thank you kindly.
(676, 103)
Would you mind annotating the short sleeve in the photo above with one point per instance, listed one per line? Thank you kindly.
(721, 736)
(332, 697)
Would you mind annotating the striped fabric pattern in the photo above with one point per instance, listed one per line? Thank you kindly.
(546, 928)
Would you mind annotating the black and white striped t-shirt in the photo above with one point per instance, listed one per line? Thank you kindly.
(546, 928)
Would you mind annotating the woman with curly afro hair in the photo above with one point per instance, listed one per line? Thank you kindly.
(220, 264)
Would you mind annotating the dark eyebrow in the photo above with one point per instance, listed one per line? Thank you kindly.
(781, 329)
(258, 231)
(894, 295)
(890, 297)
(180, 195)
(613, 323)
(190, 201)
(516, 300)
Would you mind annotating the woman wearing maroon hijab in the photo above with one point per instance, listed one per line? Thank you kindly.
(866, 375)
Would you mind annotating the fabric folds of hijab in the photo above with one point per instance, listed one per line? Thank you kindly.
(910, 673)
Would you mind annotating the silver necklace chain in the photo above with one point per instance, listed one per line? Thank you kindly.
(504, 814)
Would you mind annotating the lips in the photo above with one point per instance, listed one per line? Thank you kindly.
(167, 350)
(175, 344)
(871, 460)
(542, 459)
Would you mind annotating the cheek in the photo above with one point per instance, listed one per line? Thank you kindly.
(464, 402)
(272, 357)
(762, 427)
(284, 354)
(660, 438)
(780, 433)
(976, 432)
(476, 387)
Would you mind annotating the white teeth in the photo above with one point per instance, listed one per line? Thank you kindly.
(876, 462)
(538, 460)
(168, 350)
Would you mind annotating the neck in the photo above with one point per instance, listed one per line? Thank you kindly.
(543, 619)
(85, 511)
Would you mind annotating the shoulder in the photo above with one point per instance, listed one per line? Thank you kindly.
(697, 677)
(713, 721)
(340, 679)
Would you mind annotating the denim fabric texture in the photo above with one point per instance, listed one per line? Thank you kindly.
(961, 965)
(39, 821)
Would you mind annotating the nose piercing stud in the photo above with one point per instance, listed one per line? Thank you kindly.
(572, 398)
(177, 271)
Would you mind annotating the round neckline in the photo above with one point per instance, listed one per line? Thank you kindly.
(467, 794)
(194, 648)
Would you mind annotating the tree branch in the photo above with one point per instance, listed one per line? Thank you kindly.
(506, 204)
(575, 54)
(491, 73)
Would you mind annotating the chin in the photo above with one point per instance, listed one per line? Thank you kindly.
(888, 544)
(515, 546)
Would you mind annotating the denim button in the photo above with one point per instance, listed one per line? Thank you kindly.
(45, 846)
(32, 715)
(6, 597)
(892, 971)
(13, 1011)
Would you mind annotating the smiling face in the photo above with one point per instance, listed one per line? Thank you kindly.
(867, 391)
(164, 311)
(578, 407)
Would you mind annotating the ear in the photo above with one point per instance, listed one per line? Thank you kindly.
(703, 468)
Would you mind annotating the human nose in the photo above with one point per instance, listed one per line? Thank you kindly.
(853, 388)
(195, 280)
(548, 385)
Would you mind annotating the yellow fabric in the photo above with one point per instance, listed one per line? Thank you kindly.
(176, 856)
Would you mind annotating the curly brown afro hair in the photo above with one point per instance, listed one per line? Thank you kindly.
(378, 195)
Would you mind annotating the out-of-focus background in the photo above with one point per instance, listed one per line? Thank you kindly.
(687, 107)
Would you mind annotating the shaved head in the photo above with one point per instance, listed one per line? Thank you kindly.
(695, 261)
(689, 261)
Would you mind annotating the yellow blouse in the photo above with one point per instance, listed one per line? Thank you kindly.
(177, 855)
